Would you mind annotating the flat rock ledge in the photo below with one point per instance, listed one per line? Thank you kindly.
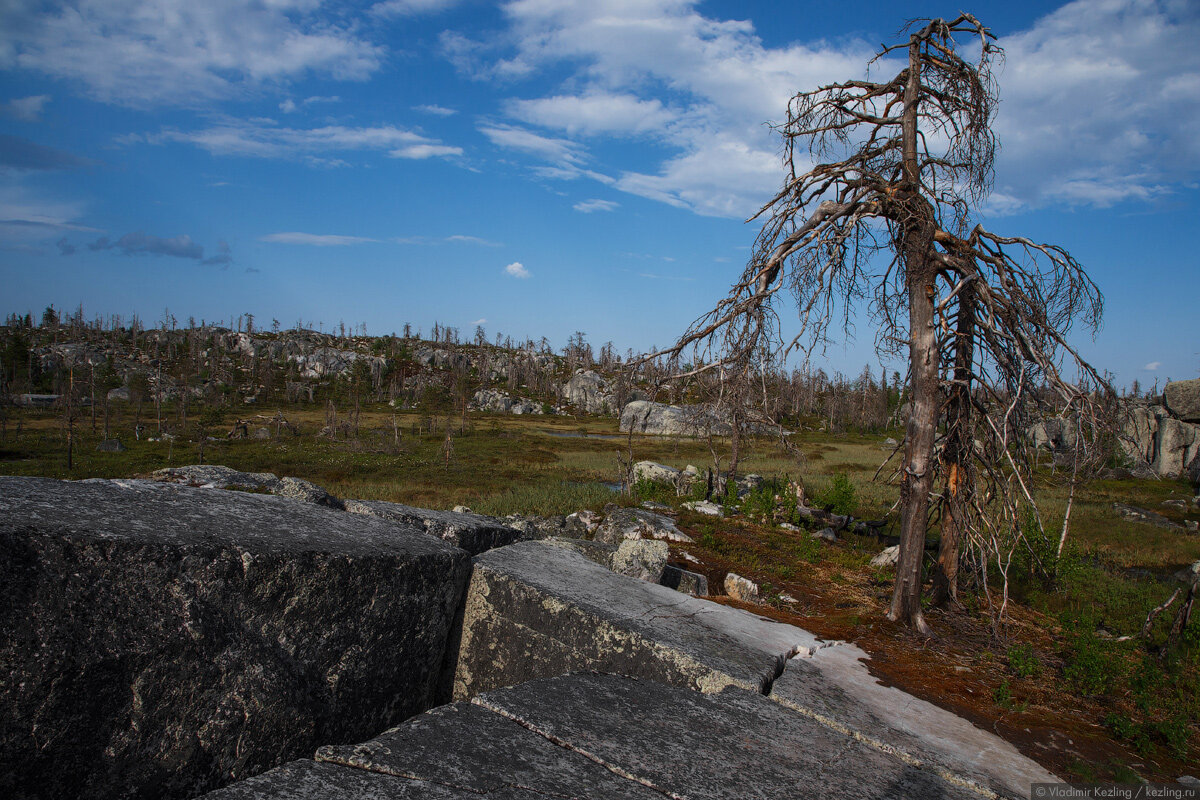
(159, 640)
(474, 533)
(586, 736)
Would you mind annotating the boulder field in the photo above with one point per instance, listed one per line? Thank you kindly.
(171, 639)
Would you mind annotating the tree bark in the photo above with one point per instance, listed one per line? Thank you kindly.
(957, 455)
(915, 221)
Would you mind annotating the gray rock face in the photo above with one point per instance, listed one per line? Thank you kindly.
(637, 523)
(534, 610)
(571, 526)
(501, 402)
(158, 640)
(590, 393)
(643, 416)
(213, 476)
(596, 552)
(1151, 437)
(686, 581)
(474, 533)
(740, 588)
(887, 557)
(643, 559)
(1183, 399)
(832, 685)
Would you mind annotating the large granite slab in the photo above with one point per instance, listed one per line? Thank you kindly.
(733, 744)
(474, 533)
(833, 686)
(157, 640)
(472, 748)
(534, 610)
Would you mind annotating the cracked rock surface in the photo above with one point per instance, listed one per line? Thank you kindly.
(584, 736)
(533, 610)
(158, 640)
(832, 685)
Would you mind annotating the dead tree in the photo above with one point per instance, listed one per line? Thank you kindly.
(897, 167)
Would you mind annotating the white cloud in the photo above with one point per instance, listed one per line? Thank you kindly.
(314, 239)
(27, 109)
(1100, 100)
(559, 151)
(1100, 103)
(1153, 366)
(517, 270)
(479, 321)
(437, 111)
(457, 238)
(146, 52)
(419, 151)
(588, 206)
(595, 113)
(409, 8)
(289, 105)
(264, 139)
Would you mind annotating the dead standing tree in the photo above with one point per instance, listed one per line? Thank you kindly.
(915, 157)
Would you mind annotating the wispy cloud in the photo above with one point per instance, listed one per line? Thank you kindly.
(437, 111)
(290, 106)
(517, 270)
(588, 206)
(142, 243)
(263, 139)
(314, 239)
(559, 151)
(411, 8)
(1153, 366)
(26, 109)
(479, 321)
(457, 238)
(179, 52)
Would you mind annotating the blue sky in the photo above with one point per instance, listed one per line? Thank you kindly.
(544, 166)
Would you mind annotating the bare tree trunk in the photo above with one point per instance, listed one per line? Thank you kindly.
(916, 243)
(957, 455)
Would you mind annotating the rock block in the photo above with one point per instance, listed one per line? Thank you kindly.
(157, 640)
(534, 610)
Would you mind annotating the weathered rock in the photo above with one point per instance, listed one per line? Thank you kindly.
(740, 588)
(1176, 445)
(1151, 437)
(643, 416)
(469, 747)
(655, 473)
(312, 780)
(589, 519)
(111, 446)
(705, 507)
(1182, 398)
(213, 476)
(534, 610)
(596, 552)
(1189, 575)
(1135, 514)
(832, 685)
(474, 533)
(643, 559)
(261, 433)
(686, 581)
(590, 393)
(825, 535)
(571, 526)
(888, 557)
(158, 640)
(637, 523)
(709, 747)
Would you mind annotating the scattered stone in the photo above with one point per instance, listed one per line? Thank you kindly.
(655, 473)
(658, 508)
(787, 598)
(262, 433)
(160, 640)
(826, 535)
(643, 559)
(462, 510)
(682, 580)
(740, 588)
(111, 446)
(890, 442)
(589, 519)
(636, 523)
(888, 557)
(705, 507)
(1189, 575)
(1135, 514)
(787, 526)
